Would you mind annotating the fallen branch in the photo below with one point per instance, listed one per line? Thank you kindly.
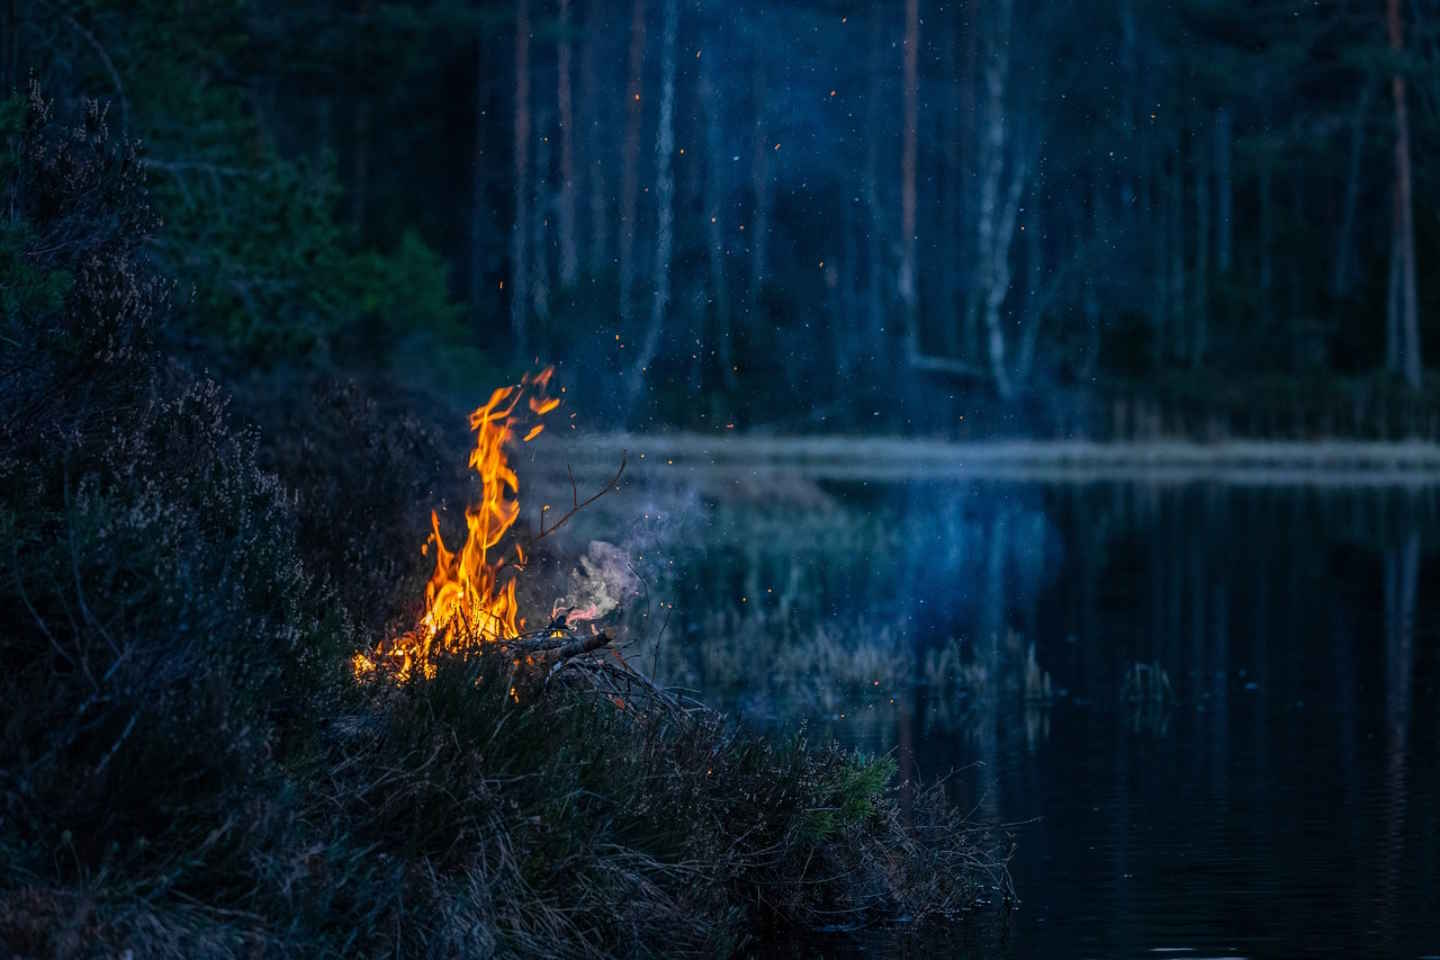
(582, 645)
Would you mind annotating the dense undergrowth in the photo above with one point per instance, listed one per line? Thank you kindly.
(186, 767)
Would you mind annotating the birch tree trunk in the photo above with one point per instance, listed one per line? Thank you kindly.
(1404, 298)
(993, 234)
(519, 249)
(565, 208)
(664, 202)
(999, 283)
(630, 174)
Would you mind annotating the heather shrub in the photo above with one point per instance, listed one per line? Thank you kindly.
(157, 617)
(366, 462)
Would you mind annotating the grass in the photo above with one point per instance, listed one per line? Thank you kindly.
(441, 818)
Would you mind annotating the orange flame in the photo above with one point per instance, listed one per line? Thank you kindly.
(466, 603)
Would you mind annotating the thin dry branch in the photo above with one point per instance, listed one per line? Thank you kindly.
(610, 487)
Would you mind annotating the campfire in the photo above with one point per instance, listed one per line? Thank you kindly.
(470, 600)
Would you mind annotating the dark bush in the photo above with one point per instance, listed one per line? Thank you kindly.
(367, 463)
(156, 612)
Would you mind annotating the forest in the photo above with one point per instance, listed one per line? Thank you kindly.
(1201, 218)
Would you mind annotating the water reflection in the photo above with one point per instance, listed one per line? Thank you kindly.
(1237, 750)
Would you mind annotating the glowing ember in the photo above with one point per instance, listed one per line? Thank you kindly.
(470, 599)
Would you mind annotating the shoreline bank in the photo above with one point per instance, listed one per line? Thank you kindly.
(1334, 462)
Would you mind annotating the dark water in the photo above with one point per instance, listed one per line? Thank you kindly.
(1277, 799)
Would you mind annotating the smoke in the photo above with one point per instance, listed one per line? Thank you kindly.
(603, 581)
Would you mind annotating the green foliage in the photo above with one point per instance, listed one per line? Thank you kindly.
(254, 235)
(857, 788)
(24, 290)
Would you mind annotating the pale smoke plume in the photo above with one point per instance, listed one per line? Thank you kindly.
(604, 580)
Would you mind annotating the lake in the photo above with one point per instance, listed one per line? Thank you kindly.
(1207, 707)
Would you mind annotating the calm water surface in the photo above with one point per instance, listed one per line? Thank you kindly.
(1263, 785)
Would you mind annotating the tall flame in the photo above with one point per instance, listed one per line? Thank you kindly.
(466, 603)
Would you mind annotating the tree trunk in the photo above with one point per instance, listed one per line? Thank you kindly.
(1403, 290)
(1224, 191)
(906, 281)
(1342, 277)
(540, 255)
(760, 189)
(360, 188)
(1090, 303)
(1393, 300)
(952, 141)
(1132, 207)
(874, 246)
(480, 223)
(992, 239)
(1201, 320)
(843, 331)
(1267, 232)
(592, 145)
(1035, 298)
(1176, 221)
(1157, 233)
(664, 203)
(630, 173)
(970, 118)
(715, 228)
(519, 249)
(565, 210)
(1295, 322)
(10, 49)
(999, 283)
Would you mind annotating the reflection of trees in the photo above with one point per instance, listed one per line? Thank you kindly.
(1401, 574)
(1251, 601)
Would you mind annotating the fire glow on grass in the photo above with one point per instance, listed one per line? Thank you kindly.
(470, 599)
